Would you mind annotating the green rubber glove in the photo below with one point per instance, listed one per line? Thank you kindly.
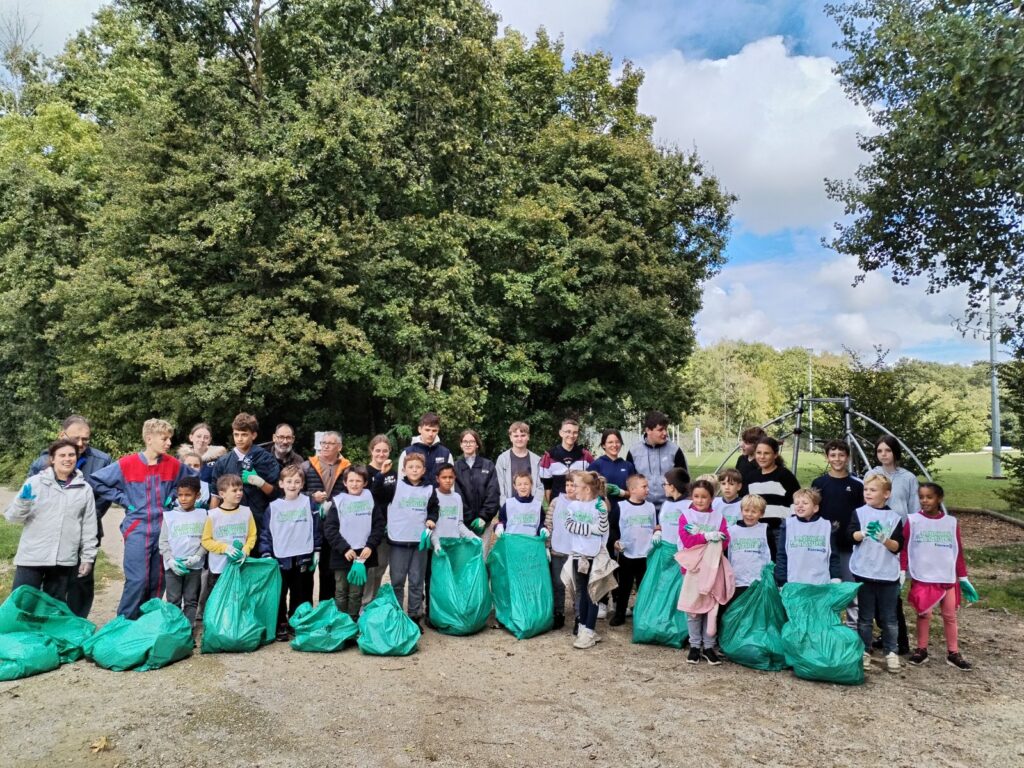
(357, 574)
(238, 556)
(874, 530)
(613, 489)
(425, 539)
(969, 592)
(169, 501)
(478, 526)
(544, 533)
(180, 567)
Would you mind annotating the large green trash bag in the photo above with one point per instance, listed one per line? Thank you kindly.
(384, 629)
(241, 614)
(23, 654)
(817, 644)
(656, 619)
(751, 632)
(521, 583)
(323, 629)
(27, 609)
(460, 600)
(160, 636)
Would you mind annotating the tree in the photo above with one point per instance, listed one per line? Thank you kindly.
(941, 195)
(1011, 376)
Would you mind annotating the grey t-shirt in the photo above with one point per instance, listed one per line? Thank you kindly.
(519, 464)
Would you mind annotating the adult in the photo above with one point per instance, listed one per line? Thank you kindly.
(76, 428)
(517, 459)
(323, 472)
(58, 510)
(614, 469)
(772, 481)
(477, 482)
(282, 448)
(380, 466)
(199, 442)
(655, 455)
(144, 483)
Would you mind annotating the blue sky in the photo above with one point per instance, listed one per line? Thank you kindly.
(750, 86)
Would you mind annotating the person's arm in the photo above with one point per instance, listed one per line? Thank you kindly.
(164, 544)
(896, 540)
(689, 540)
(215, 473)
(575, 527)
(723, 528)
(961, 564)
(383, 492)
(853, 529)
(781, 564)
(332, 531)
(109, 485)
(588, 458)
(209, 543)
(266, 538)
(614, 524)
(773, 545)
(89, 543)
(250, 539)
(268, 469)
(400, 469)
(433, 508)
(20, 510)
(544, 469)
(490, 501)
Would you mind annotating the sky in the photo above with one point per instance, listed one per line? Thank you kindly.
(748, 85)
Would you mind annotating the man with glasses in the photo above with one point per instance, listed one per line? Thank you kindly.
(281, 447)
(563, 458)
(323, 472)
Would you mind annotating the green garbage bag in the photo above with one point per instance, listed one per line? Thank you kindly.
(460, 600)
(817, 644)
(23, 654)
(384, 629)
(28, 609)
(656, 619)
(160, 636)
(751, 632)
(521, 583)
(241, 614)
(323, 629)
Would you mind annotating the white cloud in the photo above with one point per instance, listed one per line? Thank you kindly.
(810, 302)
(772, 126)
(578, 20)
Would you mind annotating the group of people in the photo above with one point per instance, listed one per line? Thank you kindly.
(187, 516)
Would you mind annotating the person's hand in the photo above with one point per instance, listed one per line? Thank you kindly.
(169, 501)
(350, 555)
(319, 497)
(84, 569)
(438, 550)
(499, 529)
(365, 553)
(613, 489)
(430, 525)
(194, 561)
(478, 525)
(619, 547)
(324, 508)
(714, 536)
(835, 581)
(179, 566)
(690, 528)
(656, 536)
(231, 552)
(26, 493)
(544, 533)
(250, 477)
(385, 466)
(968, 591)
(903, 578)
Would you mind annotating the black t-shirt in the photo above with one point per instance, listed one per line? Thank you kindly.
(840, 498)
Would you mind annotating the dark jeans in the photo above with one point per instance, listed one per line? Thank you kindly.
(183, 591)
(296, 589)
(81, 591)
(878, 601)
(587, 609)
(631, 571)
(54, 580)
(557, 585)
(326, 578)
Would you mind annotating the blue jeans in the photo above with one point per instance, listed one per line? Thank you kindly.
(878, 601)
(586, 607)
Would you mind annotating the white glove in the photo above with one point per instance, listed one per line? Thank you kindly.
(499, 529)
(835, 581)
(656, 537)
(195, 561)
(714, 536)
(437, 546)
(903, 578)
(256, 480)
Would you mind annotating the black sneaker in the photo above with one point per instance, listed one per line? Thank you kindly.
(918, 657)
(616, 621)
(282, 635)
(428, 622)
(958, 661)
(559, 622)
(709, 655)
(418, 621)
(693, 657)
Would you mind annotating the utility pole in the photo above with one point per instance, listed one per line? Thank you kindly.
(997, 440)
(810, 394)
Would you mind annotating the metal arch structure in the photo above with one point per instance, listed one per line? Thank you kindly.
(853, 439)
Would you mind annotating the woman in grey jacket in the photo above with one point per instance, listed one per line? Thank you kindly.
(58, 511)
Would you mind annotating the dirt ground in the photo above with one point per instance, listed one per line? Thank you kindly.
(490, 700)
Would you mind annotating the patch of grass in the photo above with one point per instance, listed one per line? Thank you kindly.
(997, 558)
(994, 572)
(1000, 594)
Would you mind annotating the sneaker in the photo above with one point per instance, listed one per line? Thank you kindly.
(709, 655)
(597, 637)
(616, 621)
(919, 657)
(584, 640)
(418, 621)
(559, 622)
(693, 657)
(602, 612)
(282, 635)
(629, 612)
(867, 661)
(892, 662)
(956, 660)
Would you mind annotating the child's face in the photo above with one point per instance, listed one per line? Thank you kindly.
(187, 498)
(837, 460)
(201, 440)
(875, 495)
(764, 456)
(414, 471)
(751, 514)
(701, 499)
(885, 455)
(192, 462)
(231, 496)
(569, 433)
(354, 483)
(929, 500)
(520, 439)
(747, 449)
(730, 488)
(523, 486)
(428, 433)
(446, 480)
(570, 488)
(157, 442)
(243, 439)
(291, 485)
(805, 508)
(638, 490)
(670, 490)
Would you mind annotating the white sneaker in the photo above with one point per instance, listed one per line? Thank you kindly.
(892, 662)
(629, 612)
(602, 612)
(867, 662)
(584, 639)
(597, 637)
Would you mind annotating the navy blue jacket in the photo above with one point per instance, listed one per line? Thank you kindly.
(478, 486)
(258, 460)
(434, 454)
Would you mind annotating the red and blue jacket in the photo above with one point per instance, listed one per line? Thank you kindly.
(144, 490)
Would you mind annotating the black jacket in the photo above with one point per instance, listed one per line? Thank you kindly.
(338, 545)
(478, 486)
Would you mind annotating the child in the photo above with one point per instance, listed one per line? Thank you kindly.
(586, 518)
(194, 462)
(563, 458)
(748, 442)
(429, 446)
(807, 551)
(934, 556)
(701, 524)
(181, 548)
(292, 535)
(521, 513)
(750, 546)
(412, 510)
(256, 467)
(675, 484)
(877, 537)
(230, 530)
(354, 528)
(450, 519)
(561, 545)
(731, 483)
(638, 521)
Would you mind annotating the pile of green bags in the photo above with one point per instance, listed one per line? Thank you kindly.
(817, 644)
(23, 654)
(241, 614)
(384, 629)
(29, 611)
(460, 600)
(751, 632)
(656, 619)
(160, 636)
(323, 629)
(521, 584)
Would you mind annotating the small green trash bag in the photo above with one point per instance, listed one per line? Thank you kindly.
(817, 644)
(23, 654)
(656, 619)
(751, 632)
(160, 636)
(460, 600)
(384, 629)
(323, 629)
(27, 609)
(521, 583)
(241, 614)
